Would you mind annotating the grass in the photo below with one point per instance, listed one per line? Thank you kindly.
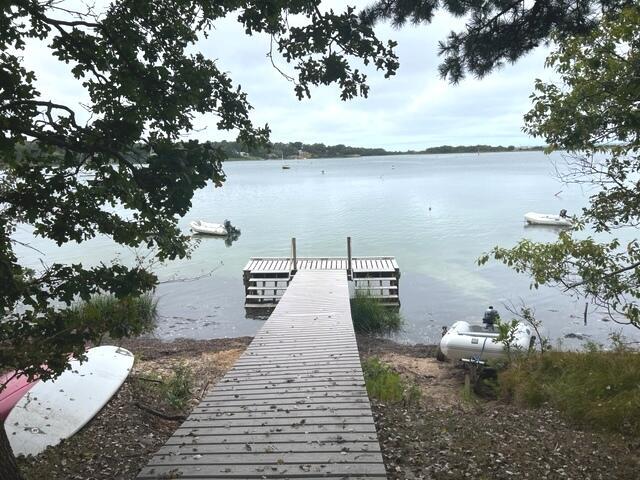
(370, 316)
(596, 388)
(166, 391)
(177, 389)
(125, 317)
(384, 384)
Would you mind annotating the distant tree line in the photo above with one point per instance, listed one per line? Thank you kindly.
(237, 150)
(320, 150)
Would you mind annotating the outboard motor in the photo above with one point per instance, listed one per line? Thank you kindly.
(563, 213)
(490, 317)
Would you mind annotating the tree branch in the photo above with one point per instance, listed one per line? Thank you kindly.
(607, 275)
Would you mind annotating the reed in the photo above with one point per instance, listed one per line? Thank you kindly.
(126, 317)
(370, 316)
(595, 388)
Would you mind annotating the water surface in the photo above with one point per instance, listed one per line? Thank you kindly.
(435, 213)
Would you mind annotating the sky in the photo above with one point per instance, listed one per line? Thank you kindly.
(413, 110)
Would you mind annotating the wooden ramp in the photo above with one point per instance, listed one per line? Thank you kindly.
(294, 406)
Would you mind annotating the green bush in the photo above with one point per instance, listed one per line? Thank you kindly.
(386, 385)
(370, 316)
(125, 317)
(593, 388)
(177, 388)
(173, 389)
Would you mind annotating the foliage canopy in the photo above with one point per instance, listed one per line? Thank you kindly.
(594, 117)
(496, 31)
(145, 85)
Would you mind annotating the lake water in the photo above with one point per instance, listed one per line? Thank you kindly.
(435, 213)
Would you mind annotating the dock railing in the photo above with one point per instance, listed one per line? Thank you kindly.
(267, 278)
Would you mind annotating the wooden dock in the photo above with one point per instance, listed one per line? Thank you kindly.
(294, 405)
(267, 278)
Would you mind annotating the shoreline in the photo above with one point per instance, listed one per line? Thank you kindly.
(388, 154)
(442, 436)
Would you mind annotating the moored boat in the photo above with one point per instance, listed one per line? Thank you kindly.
(534, 218)
(209, 228)
(464, 340)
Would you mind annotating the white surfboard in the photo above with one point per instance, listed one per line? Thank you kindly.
(54, 410)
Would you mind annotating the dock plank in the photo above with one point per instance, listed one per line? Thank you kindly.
(294, 405)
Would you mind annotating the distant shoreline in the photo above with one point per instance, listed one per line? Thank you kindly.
(430, 151)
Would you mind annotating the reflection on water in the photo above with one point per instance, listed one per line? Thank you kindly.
(227, 239)
(436, 214)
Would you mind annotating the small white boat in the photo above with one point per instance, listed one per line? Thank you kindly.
(534, 218)
(469, 341)
(209, 228)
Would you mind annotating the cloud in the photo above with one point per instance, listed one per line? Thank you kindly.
(414, 109)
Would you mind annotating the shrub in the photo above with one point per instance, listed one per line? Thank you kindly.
(177, 388)
(386, 385)
(595, 388)
(126, 317)
(370, 316)
(166, 389)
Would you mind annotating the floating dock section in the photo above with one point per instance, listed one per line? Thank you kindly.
(294, 405)
(267, 278)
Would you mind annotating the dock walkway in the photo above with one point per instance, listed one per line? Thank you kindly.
(294, 405)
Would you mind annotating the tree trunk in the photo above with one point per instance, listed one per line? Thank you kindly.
(8, 467)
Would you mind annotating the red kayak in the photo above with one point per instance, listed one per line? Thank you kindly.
(13, 392)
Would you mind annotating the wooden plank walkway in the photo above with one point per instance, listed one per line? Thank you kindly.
(294, 405)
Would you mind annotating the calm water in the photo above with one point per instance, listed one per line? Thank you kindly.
(436, 214)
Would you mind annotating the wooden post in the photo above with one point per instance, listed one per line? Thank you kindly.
(294, 255)
(586, 309)
(467, 386)
(349, 270)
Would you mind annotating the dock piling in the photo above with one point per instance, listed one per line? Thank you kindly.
(294, 256)
(349, 269)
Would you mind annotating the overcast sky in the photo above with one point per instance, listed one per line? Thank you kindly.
(412, 110)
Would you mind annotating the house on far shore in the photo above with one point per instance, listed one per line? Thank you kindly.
(303, 155)
(244, 154)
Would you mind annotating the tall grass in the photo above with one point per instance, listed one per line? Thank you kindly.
(178, 388)
(370, 316)
(386, 385)
(169, 391)
(124, 317)
(595, 388)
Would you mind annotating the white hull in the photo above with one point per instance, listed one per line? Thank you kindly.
(208, 228)
(54, 410)
(465, 340)
(534, 218)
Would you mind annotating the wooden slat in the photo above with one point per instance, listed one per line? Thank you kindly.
(268, 448)
(294, 405)
(276, 470)
(267, 279)
(263, 458)
(271, 439)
